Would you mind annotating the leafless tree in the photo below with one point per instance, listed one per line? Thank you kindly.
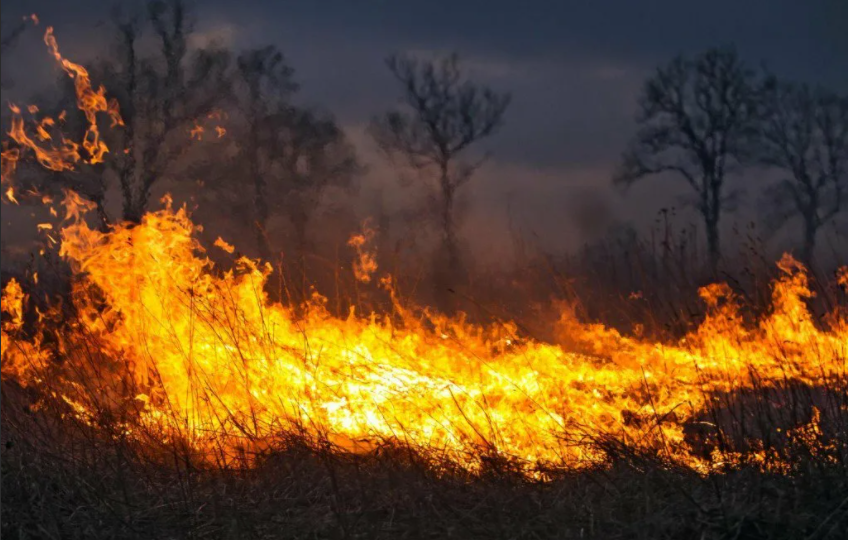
(443, 114)
(161, 94)
(293, 154)
(697, 120)
(313, 154)
(264, 84)
(805, 136)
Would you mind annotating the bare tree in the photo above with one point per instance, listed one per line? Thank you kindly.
(805, 135)
(697, 120)
(292, 154)
(264, 84)
(161, 95)
(313, 155)
(443, 115)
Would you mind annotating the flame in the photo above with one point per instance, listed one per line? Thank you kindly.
(196, 132)
(63, 155)
(56, 158)
(366, 263)
(842, 277)
(221, 243)
(89, 101)
(196, 354)
(223, 366)
(8, 163)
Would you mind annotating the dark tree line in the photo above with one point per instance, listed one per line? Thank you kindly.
(262, 156)
(805, 137)
(706, 118)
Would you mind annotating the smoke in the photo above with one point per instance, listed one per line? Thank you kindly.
(588, 209)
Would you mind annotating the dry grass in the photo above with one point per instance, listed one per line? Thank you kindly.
(63, 479)
(57, 483)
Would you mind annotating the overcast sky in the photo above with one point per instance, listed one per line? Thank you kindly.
(574, 70)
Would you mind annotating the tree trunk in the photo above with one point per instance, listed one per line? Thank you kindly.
(299, 220)
(448, 232)
(810, 231)
(448, 267)
(126, 179)
(713, 247)
(136, 197)
(712, 215)
(132, 212)
(261, 222)
(102, 217)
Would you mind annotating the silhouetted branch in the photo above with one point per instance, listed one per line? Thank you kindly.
(697, 119)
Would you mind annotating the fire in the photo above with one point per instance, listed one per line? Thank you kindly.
(209, 357)
(222, 244)
(196, 132)
(180, 350)
(366, 264)
(65, 154)
(89, 101)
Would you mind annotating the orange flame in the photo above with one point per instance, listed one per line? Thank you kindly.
(89, 101)
(221, 243)
(64, 155)
(366, 263)
(211, 354)
(196, 132)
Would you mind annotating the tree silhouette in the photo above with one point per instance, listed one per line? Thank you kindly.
(443, 115)
(263, 86)
(277, 158)
(162, 94)
(313, 154)
(805, 136)
(697, 120)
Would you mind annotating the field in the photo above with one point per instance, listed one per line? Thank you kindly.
(759, 451)
(156, 384)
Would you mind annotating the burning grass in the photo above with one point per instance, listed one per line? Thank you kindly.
(167, 397)
(162, 340)
(64, 479)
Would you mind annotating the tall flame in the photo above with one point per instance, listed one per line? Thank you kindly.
(65, 154)
(89, 101)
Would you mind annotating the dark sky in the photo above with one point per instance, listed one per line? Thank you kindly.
(574, 69)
